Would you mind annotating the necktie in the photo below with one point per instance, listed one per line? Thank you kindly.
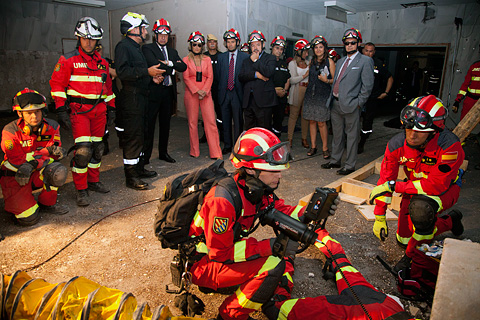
(337, 83)
(166, 81)
(231, 70)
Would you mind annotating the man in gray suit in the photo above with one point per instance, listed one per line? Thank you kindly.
(352, 85)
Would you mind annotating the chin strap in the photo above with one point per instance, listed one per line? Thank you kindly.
(137, 34)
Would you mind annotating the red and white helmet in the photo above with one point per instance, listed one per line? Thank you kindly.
(256, 35)
(278, 41)
(196, 36)
(259, 148)
(424, 114)
(232, 34)
(332, 53)
(352, 33)
(245, 48)
(301, 44)
(318, 39)
(162, 26)
(27, 100)
(88, 28)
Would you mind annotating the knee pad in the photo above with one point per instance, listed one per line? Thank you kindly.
(83, 154)
(55, 174)
(423, 213)
(98, 150)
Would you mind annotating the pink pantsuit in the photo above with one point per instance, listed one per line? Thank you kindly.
(192, 102)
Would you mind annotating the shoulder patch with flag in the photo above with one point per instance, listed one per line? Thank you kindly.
(449, 157)
(220, 225)
(57, 67)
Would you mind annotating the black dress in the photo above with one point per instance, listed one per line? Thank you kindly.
(316, 95)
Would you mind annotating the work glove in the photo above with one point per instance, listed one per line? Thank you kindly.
(57, 151)
(380, 190)
(455, 106)
(333, 208)
(291, 246)
(380, 228)
(111, 114)
(64, 119)
(25, 171)
(291, 250)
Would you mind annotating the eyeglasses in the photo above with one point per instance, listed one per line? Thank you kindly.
(350, 43)
(197, 45)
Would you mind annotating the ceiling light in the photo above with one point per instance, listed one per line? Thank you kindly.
(88, 3)
(337, 11)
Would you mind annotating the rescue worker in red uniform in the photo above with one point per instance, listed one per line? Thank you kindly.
(81, 85)
(31, 145)
(233, 260)
(344, 305)
(431, 157)
(470, 90)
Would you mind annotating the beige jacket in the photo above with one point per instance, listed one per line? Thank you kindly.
(294, 82)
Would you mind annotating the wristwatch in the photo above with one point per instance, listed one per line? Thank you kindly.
(391, 184)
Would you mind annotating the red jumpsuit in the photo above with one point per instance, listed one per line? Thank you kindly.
(342, 306)
(246, 262)
(20, 148)
(79, 76)
(470, 88)
(431, 172)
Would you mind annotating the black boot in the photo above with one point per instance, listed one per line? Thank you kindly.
(142, 172)
(105, 142)
(133, 180)
(403, 264)
(457, 226)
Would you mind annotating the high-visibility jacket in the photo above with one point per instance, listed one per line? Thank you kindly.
(79, 75)
(20, 147)
(471, 84)
(430, 172)
(217, 218)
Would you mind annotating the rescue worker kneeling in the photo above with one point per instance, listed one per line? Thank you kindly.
(233, 260)
(31, 145)
(431, 157)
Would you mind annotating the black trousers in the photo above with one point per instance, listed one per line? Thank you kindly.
(218, 111)
(231, 110)
(161, 109)
(256, 116)
(278, 115)
(371, 109)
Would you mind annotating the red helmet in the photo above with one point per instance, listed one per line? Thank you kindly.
(301, 44)
(332, 53)
(278, 41)
(318, 39)
(245, 47)
(196, 36)
(232, 34)
(424, 114)
(162, 26)
(256, 35)
(28, 99)
(259, 148)
(352, 33)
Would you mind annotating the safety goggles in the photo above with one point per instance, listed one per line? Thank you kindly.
(163, 30)
(280, 43)
(413, 117)
(230, 35)
(255, 37)
(279, 154)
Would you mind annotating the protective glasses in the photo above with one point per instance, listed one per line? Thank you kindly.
(351, 43)
(230, 35)
(255, 37)
(279, 154)
(197, 44)
(415, 117)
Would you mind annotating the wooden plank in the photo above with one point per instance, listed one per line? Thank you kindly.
(351, 199)
(357, 188)
(469, 122)
(367, 213)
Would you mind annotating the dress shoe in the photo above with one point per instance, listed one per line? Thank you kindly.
(98, 187)
(226, 150)
(82, 198)
(136, 183)
(55, 209)
(330, 165)
(166, 157)
(344, 172)
(144, 173)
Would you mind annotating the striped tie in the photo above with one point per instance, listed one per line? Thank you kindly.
(231, 69)
(336, 86)
(166, 81)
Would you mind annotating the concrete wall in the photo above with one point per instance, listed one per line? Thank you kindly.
(31, 34)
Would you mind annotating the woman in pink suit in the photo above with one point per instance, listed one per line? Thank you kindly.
(198, 81)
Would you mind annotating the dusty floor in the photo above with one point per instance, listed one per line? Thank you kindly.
(122, 252)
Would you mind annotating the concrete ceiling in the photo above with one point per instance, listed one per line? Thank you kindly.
(309, 6)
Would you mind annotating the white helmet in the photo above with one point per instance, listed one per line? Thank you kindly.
(88, 28)
(132, 20)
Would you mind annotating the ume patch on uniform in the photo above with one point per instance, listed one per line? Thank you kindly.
(220, 225)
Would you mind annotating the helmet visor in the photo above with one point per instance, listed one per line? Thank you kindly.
(415, 117)
(255, 37)
(229, 35)
(279, 154)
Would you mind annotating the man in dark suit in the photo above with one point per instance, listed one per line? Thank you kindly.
(352, 85)
(230, 89)
(162, 94)
(259, 96)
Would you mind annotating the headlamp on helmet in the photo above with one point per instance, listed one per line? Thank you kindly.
(27, 100)
(424, 114)
(88, 28)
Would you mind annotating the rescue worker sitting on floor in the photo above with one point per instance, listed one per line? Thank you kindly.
(431, 157)
(31, 145)
(345, 305)
(233, 259)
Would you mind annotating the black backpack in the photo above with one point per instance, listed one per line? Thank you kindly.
(183, 197)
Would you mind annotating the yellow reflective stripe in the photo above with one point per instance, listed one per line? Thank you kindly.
(110, 97)
(83, 139)
(462, 92)
(296, 211)
(289, 276)
(245, 302)
(94, 165)
(286, 308)
(403, 240)
(9, 166)
(29, 156)
(439, 201)
(239, 251)
(57, 138)
(385, 199)
(420, 237)
(202, 248)
(435, 108)
(86, 78)
(258, 140)
(418, 186)
(198, 221)
(74, 93)
(270, 264)
(474, 90)
(58, 94)
(96, 139)
(268, 166)
(420, 175)
(338, 276)
(51, 188)
(476, 78)
(328, 238)
(79, 170)
(28, 212)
